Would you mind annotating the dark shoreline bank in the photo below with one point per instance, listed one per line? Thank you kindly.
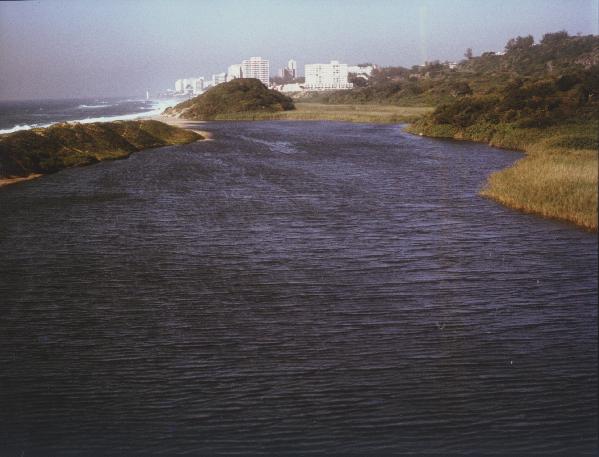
(28, 154)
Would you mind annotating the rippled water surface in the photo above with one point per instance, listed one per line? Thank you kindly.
(292, 288)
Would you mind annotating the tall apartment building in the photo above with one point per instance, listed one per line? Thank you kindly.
(189, 85)
(289, 72)
(234, 72)
(199, 85)
(292, 68)
(326, 76)
(256, 67)
(219, 78)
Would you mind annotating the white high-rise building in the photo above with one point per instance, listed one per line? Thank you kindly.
(186, 85)
(256, 67)
(195, 85)
(327, 76)
(219, 78)
(198, 85)
(234, 72)
(292, 68)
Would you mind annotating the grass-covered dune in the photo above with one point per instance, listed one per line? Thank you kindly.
(557, 178)
(48, 150)
(243, 98)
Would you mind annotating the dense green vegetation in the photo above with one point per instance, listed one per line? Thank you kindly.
(231, 99)
(541, 99)
(47, 150)
(568, 62)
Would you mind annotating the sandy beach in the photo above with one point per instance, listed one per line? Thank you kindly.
(7, 181)
(194, 126)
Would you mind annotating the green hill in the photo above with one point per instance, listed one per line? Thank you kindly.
(47, 150)
(236, 99)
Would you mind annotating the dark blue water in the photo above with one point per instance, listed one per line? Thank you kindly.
(293, 289)
(21, 115)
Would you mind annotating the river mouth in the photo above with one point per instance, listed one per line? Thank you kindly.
(293, 288)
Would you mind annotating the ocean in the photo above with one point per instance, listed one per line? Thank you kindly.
(24, 115)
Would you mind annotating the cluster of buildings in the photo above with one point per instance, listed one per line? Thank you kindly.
(329, 76)
(254, 67)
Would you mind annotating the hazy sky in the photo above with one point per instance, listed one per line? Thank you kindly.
(64, 49)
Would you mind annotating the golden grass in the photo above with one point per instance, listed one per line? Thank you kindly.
(345, 113)
(556, 185)
(557, 178)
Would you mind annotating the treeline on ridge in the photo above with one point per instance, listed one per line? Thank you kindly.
(532, 85)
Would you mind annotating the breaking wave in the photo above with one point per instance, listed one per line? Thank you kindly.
(104, 105)
(157, 108)
(16, 128)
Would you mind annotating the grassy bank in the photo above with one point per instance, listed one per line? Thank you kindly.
(28, 153)
(556, 179)
(325, 112)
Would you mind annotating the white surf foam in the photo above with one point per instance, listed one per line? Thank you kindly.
(105, 105)
(158, 107)
(16, 128)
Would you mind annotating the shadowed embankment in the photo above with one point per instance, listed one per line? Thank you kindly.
(36, 152)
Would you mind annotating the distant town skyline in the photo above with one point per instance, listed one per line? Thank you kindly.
(65, 49)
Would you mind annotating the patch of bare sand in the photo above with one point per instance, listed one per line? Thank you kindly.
(184, 124)
(16, 179)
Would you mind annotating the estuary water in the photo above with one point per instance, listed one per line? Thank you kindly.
(293, 288)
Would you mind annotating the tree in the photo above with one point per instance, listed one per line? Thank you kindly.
(357, 81)
(552, 38)
(468, 54)
(520, 43)
(459, 89)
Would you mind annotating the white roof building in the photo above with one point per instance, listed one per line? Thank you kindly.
(327, 76)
